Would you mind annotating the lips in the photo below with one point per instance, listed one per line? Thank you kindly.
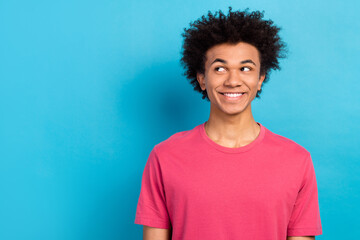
(232, 92)
(232, 96)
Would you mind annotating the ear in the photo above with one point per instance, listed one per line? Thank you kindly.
(201, 80)
(261, 80)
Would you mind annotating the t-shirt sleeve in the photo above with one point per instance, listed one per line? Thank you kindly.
(305, 216)
(151, 208)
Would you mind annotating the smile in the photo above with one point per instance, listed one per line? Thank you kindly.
(232, 96)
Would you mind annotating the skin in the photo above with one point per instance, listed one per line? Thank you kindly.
(228, 68)
(151, 233)
(231, 123)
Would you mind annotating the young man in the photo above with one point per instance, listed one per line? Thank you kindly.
(230, 177)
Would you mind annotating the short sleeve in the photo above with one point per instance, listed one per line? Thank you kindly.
(305, 216)
(151, 208)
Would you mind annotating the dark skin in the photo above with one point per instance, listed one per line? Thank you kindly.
(151, 233)
(231, 68)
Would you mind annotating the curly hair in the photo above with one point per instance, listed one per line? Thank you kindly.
(238, 26)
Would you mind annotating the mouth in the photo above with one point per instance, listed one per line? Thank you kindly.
(232, 96)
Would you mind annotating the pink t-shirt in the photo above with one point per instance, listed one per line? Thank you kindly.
(202, 190)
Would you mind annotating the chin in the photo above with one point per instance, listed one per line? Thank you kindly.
(228, 110)
(232, 112)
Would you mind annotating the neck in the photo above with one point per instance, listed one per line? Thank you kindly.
(232, 130)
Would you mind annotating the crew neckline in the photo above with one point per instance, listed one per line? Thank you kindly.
(219, 147)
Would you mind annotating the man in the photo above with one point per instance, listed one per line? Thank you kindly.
(230, 177)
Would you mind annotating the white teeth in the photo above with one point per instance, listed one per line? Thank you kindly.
(233, 94)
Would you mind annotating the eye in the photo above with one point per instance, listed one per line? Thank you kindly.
(245, 69)
(220, 69)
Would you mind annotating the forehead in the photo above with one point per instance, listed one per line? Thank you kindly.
(233, 52)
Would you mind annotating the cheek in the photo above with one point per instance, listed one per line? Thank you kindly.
(210, 83)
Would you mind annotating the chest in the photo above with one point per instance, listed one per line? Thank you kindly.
(231, 185)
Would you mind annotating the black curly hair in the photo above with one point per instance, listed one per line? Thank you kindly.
(238, 26)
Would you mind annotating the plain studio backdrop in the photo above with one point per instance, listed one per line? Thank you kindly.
(87, 88)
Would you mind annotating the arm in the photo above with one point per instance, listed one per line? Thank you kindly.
(301, 238)
(151, 233)
(305, 221)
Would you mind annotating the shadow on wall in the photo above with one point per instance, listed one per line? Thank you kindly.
(113, 213)
(152, 106)
(156, 100)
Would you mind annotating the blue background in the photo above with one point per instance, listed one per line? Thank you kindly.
(87, 88)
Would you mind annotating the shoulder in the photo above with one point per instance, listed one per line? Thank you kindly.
(283, 144)
(178, 141)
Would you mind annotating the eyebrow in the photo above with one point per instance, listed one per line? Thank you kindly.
(223, 61)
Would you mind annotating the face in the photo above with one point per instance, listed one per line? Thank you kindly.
(232, 77)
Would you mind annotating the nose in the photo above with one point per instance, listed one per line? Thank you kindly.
(233, 79)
